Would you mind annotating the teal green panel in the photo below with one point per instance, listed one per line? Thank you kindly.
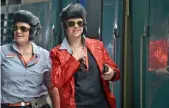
(140, 20)
(112, 19)
(158, 74)
(66, 2)
(118, 18)
(56, 9)
(108, 22)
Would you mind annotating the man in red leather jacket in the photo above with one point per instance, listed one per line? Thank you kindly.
(81, 67)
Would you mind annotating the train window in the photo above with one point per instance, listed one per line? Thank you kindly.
(6, 25)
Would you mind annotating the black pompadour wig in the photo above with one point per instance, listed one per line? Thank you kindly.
(73, 10)
(31, 19)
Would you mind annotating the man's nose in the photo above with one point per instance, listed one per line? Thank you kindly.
(76, 25)
(18, 30)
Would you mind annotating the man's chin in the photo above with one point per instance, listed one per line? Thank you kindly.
(19, 40)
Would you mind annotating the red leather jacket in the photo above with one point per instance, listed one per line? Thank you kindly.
(64, 66)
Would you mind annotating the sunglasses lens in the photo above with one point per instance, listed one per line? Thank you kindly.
(80, 23)
(71, 23)
(24, 29)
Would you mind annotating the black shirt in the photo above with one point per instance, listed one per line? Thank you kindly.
(89, 91)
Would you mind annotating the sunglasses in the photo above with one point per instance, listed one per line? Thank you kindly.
(22, 28)
(73, 23)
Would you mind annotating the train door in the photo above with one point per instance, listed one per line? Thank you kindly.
(151, 27)
(158, 67)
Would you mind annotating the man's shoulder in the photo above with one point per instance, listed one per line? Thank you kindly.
(6, 45)
(55, 50)
(39, 49)
(43, 50)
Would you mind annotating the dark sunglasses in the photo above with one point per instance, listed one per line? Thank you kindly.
(22, 28)
(72, 23)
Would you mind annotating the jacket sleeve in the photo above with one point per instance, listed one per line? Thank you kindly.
(61, 74)
(111, 63)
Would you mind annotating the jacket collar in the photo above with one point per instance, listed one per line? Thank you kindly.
(65, 45)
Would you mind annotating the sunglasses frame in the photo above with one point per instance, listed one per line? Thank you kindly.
(22, 28)
(79, 23)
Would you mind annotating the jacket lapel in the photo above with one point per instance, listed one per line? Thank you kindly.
(96, 51)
